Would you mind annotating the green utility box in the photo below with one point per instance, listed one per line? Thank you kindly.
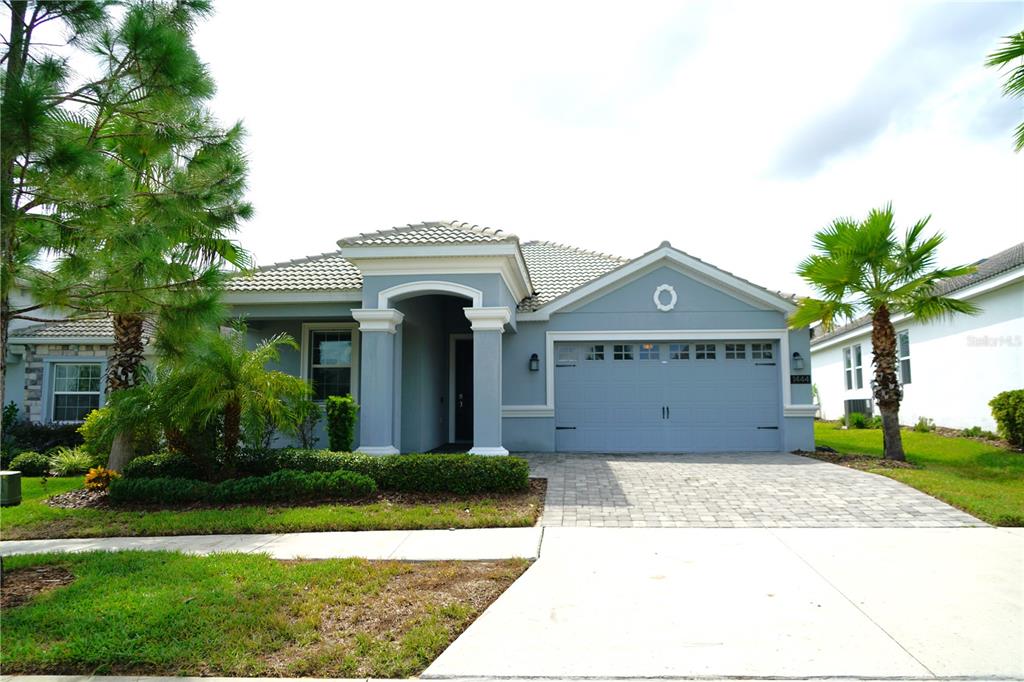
(10, 488)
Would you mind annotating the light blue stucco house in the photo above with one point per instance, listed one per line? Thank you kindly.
(448, 333)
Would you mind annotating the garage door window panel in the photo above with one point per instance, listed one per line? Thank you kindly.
(650, 351)
(596, 352)
(761, 351)
(622, 351)
(735, 351)
(704, 351)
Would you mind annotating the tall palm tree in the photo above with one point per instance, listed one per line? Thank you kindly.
(221, 381)
(865, 267)
(1011, 54)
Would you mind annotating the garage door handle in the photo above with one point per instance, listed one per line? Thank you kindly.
(565, 428)
(768, 428)
(772, 364)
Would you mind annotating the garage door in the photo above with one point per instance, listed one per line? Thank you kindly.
(675, 396)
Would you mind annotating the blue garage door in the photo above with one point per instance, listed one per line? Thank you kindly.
(678, 396)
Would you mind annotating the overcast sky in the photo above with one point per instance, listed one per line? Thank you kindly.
(734, 130)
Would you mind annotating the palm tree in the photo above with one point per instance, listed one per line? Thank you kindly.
(221, 382)
(1012, 52)
(866, 267)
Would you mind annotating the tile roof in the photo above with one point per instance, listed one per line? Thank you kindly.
(441, 232)
(987, 268)
(326, 272)
(557, 269)
(74, 329)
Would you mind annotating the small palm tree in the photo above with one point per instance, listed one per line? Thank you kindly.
(1011, 54)
(220, 381)
(864, 267)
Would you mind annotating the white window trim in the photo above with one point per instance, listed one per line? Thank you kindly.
(900, 358)
(304, 347)
(779, 335)
(49, 377)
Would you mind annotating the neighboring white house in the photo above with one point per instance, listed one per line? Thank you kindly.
(950, 368)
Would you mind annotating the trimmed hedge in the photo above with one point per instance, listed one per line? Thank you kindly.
(341, 421)
(458, 474)
(161, 465)
(31, 464)
(281, 486)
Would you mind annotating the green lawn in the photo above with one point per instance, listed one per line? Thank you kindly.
(980, 478)
(157, 613)
(35, 519)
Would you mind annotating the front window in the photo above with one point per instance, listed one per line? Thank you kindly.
(903, 356)
(330, 363)
(650, 351)
(76, 390)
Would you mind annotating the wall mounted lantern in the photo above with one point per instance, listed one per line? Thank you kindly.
(798, 362)
(534, 363)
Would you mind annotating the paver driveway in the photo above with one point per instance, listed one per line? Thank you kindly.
(759, 490)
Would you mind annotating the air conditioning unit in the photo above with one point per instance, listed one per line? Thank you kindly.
(862, 405)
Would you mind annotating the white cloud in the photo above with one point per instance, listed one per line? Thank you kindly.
(606, 125)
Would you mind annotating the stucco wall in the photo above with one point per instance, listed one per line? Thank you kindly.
(957, 365)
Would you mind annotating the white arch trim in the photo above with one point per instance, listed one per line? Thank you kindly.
(385, 296)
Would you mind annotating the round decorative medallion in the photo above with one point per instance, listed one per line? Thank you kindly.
(659, 297)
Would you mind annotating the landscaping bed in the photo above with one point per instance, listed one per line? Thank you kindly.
(861, 462)
(36, 518)
(161, 613)
(977, 476)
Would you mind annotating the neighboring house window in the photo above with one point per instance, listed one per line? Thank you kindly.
(650, 351)
(596, 352)
(76, 390)
(679, 351)
(330, 363)
(853, 367)
(704, 351)
(735, 351)
(761, 351)
(622, 351)
(903, 356)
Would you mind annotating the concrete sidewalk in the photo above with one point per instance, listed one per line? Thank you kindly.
(756, 603)
(476, 544)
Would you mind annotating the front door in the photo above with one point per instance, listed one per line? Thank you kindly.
(463, 398)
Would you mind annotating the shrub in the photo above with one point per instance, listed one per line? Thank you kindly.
(978, 432)
(66, 461)
(307, 415)
(35, 437)
(158, 491)
(161, 465)
(875, 422)
(341, 422)
(98, 431)
(31, 464)
(924, 425)
(858, 420)
(99, 478)
(281, 486)
(1008, 410)
(459, 474)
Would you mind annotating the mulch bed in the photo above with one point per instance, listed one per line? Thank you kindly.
(85, 499)
(22, 584)
(862, 462)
